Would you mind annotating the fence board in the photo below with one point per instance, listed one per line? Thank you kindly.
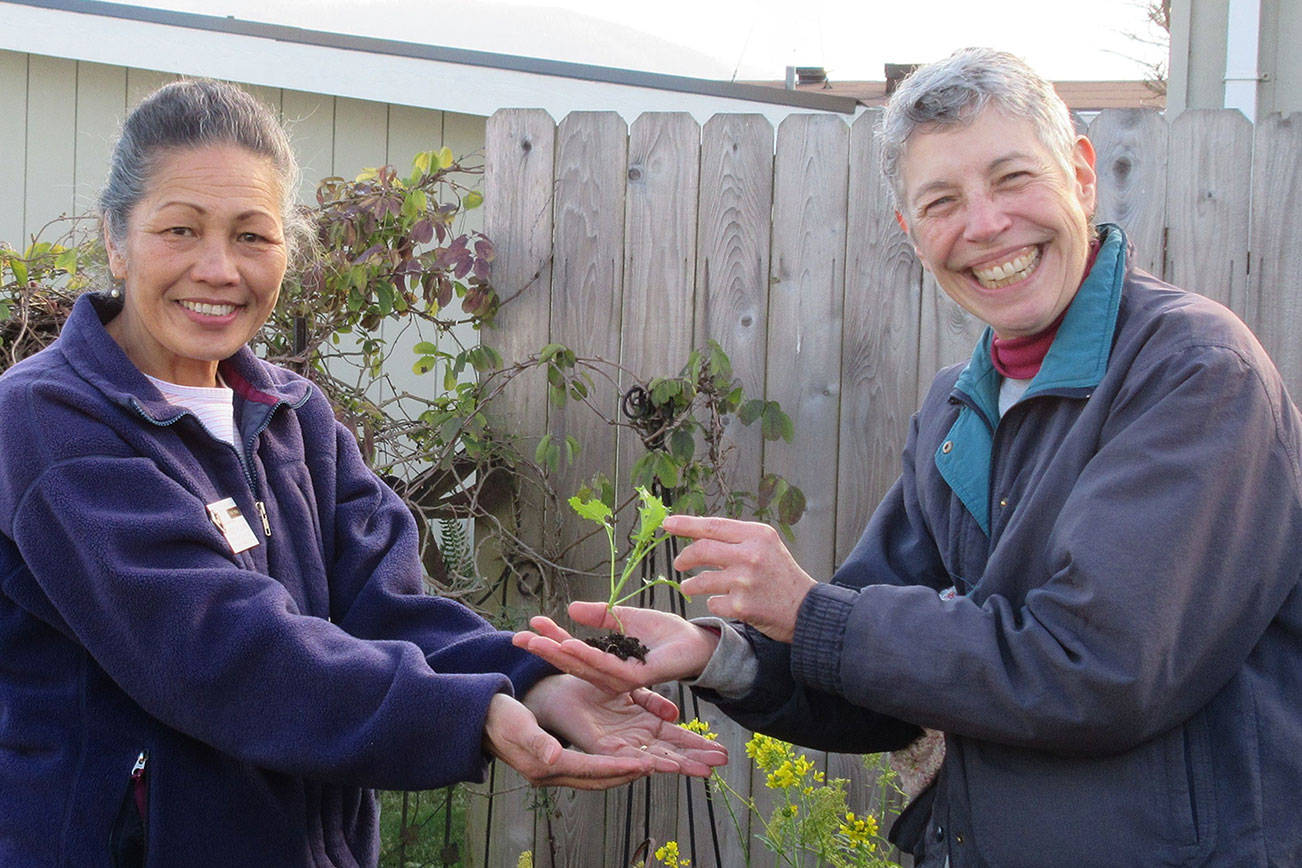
(878, 377)
(1276, 272)
(946, 333)
(1208, 186)
(732, 280)
(587, 296)
(520, 161)
(51, 139)
(805, 315)
(656, 325)
(1131, 147)
(13, 147)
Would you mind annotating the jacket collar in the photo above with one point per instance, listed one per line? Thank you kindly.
(102, 363)
(1078, 357)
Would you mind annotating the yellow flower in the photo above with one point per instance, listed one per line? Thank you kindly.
(667, 853)
(767, 752)
(701, 727)
(859, 831)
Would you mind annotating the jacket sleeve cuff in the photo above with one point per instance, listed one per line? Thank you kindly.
(820, 632)
(732, 669)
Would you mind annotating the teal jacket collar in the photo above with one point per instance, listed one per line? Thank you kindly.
(1075, 363)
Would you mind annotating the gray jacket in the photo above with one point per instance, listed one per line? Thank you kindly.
(1120, 674)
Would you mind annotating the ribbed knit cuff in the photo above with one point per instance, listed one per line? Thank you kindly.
(816, 647)
(732, 668)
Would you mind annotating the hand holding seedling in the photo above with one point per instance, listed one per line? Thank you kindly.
(651, 513)
(677, 649)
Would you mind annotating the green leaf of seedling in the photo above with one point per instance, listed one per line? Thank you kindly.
(651, 514)
(592, 509)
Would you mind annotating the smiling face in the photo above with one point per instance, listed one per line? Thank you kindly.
(201, 262)
(998, 220)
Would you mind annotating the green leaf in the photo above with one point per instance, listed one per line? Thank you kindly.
(446, 157)
(776, 424)
(664, 390)
(750, 411)
(19, 268)
(667, 470)
(67, 260)
(593, 510)
(473, 200)
(651, 515)
(682, 445)
(424, 365)
(791, 506)
(426, 348)
(421, 162)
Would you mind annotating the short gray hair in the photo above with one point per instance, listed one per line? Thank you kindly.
(194, 113)
(955, 90)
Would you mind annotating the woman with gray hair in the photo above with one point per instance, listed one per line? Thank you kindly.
(1088, 575)
(213, 635)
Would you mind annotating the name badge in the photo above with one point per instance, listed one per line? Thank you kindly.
(231, 522)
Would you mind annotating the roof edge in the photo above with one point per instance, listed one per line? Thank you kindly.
(445, 54)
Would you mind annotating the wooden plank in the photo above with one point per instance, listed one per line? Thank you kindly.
(587, 295)
(1131, 149)
(946, 333)
(1276, 242)
(883, 289)
(360, 135)
(101, 107)
(310, 119)
(659, 263)
(1208, 185)
(520, 149)
(733, 238)
(51, 144)
(732, 276)
(806, 310)
(878, 370)
(13, 147)
(805, 318)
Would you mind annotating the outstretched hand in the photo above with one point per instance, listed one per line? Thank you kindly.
(618, 737)
(678, 648)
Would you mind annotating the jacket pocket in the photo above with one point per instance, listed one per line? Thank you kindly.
(129, 835)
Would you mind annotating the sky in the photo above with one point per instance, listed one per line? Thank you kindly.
(743, 40)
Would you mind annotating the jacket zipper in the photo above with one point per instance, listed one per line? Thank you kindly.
(245, 465)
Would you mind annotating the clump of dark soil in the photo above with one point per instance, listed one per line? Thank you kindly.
(623, 647)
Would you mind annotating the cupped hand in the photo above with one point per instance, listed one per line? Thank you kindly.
(602, 724)
(678, 648)
(512, 734)
(749, 574)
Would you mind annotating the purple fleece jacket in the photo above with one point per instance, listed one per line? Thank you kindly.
(267, 689)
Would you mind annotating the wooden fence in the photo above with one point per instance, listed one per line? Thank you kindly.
(637, 243)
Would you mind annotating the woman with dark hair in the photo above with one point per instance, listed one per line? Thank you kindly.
(213, 636)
